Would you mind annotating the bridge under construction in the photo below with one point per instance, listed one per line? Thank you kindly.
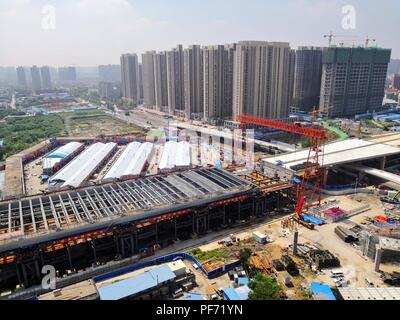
(75, 229)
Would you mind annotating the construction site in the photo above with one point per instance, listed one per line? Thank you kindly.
(83, 203)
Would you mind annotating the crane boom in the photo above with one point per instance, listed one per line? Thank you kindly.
(284, 126)
(313, 168)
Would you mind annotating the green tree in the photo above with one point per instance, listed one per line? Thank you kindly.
(244, 258)
(264, 288)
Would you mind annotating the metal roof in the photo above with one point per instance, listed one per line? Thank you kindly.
(175, 154)
(65, 150)
(143, 155)
(345, 151)
(183, 154)
(83, 166)
(243, 292)
(231, 294)
(370, 293)
(132, 161)
(61, 153)
(137, 284)
(134, 200)
(322, 291)
(119, 167)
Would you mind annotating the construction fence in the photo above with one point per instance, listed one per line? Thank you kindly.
(175, 256)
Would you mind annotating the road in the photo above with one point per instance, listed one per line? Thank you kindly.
(147, 120)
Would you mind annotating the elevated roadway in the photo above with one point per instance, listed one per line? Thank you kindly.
(376, 173)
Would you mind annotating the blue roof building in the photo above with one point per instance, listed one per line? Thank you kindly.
(243, 292)
(238, 294)
(322, 291)
(137, 285)
(242, 281)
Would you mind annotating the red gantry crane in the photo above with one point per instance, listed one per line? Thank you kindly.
(308, 193)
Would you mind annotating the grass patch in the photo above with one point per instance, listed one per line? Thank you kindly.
(339, 133)
(97, 125)
(212, 255)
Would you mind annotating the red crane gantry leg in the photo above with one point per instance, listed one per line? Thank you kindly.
(308, 193)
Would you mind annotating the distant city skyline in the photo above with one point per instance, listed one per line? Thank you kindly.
(96, 32)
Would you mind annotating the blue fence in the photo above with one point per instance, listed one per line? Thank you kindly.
(339, 186)
(164, 259)
(335, 186)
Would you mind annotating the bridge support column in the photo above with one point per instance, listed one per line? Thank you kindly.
(378, 257)
(325, 178)
(383, 163)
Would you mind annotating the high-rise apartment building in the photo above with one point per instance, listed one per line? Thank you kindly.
(130, 77)
(109, 90)
(175, 79)
(394, 66)
(353, 80)
(21, 77)
(218, 82)
(36, 81)
(149, 91)
(395, 83)
(292, 68)
(140, 83)
(110, 73)
(67, 74)
(46, 78)
(193, 82)
(261, 79)
(160, 81)
(307, 83)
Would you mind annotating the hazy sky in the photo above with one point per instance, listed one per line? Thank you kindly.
(91, 32)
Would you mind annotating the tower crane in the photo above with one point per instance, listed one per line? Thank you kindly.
(368, 40)
(306, 192)
(331, 36)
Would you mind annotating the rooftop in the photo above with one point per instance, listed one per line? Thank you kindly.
(83, 166)
(370, 293)
(346, 151)
(129, 201)
(136, 285)
(322, 291)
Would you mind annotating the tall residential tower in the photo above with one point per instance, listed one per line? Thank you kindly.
(193, 82)
(261, 79)
(353, 80)
(46, 78)
(149, 91)
(218, 82)
(175, 82)
(130, 77)
(307, 83)
(36, 81)
(21, 77)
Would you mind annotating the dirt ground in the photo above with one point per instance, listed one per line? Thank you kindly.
(32, 173)
(354, 266)
(203, 282)
(96, 125)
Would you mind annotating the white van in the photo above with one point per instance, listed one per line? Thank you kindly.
(336, 274)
